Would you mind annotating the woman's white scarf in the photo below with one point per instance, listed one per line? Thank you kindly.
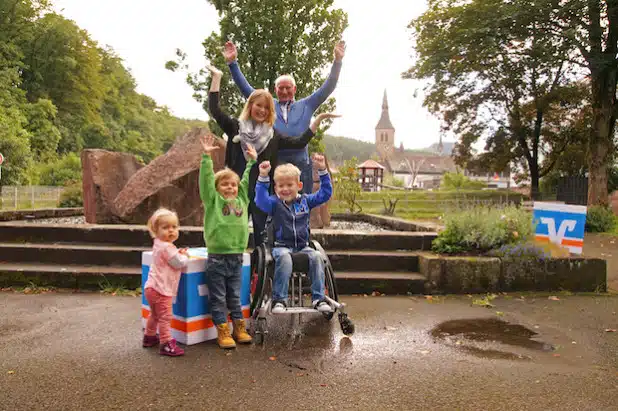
(258, 135)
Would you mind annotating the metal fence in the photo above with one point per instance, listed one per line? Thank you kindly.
(25, 197)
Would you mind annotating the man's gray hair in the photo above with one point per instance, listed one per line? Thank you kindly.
(285, 77)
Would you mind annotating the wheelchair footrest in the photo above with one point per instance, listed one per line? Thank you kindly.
(298, 310)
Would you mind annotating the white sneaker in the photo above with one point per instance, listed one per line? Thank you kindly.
(278, 308)
(322, 306)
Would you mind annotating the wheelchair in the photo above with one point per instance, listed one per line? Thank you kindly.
(299, 297)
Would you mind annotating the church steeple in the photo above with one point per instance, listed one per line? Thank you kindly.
(385, 121)
(440, 146)
(385, 132)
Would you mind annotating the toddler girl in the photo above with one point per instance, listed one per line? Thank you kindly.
(163, 278)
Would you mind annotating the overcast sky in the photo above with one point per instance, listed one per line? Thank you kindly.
(145, 33)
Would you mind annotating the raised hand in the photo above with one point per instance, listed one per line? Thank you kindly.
(324, 116)
(208, 144)
(214, 71)
(264, 168)
(251, 152)
(229, 52)
(319, 161)
(339, 50)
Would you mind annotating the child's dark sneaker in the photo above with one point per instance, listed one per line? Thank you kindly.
(150, 341)
(171, 349)
(322, 306)
(278, 307)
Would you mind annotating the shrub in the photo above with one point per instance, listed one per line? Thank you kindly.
(71, 197)
(481, 229)
(458, 181)
(600, 219)
(347, 186)
(62, 171)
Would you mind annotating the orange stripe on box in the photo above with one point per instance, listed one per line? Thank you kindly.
(196, 325)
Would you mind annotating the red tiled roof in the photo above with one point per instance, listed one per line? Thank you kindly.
(370, 164)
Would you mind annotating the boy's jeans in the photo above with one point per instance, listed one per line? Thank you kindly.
(223, 275)
(283, 271)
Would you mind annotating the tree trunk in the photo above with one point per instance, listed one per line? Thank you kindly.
(600, 142)
(534, 180)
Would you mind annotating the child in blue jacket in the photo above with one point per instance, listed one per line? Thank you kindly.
(290, 212)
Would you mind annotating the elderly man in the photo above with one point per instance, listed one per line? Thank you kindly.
(293, 117)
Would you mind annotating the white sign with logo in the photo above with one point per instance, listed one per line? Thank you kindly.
(561, 224)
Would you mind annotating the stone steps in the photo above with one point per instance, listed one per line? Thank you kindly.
(137, 236)
(98, 276)
(106, 255)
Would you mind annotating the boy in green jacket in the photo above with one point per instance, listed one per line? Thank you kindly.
(226, 233)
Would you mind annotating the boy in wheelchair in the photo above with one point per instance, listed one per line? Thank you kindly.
(290, 213)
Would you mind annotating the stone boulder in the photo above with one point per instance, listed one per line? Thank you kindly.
(104, 174)
(320, 216)
(133, 194)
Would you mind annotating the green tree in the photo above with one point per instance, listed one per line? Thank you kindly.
(273, 37)
(495, 75)
(347, 186)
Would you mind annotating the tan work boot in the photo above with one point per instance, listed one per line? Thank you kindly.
(240, 332)
(224, 339)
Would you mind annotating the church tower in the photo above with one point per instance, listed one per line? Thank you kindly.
(385, 132)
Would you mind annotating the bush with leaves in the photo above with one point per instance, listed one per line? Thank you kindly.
(481, 229)
(347, 186)
(458, 181)
(600, 219)
(72, 196)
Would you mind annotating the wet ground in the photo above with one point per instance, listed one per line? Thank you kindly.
(82, 351)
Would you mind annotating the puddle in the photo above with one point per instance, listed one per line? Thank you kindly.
(467, 335)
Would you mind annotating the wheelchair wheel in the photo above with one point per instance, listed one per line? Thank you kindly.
(258, 279)
(331, 287)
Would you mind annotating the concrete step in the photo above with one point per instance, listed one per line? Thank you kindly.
(365, 282)
(137, 236)
(99, 276)
(342, 260)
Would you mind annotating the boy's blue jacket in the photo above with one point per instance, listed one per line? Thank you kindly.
(291, 222)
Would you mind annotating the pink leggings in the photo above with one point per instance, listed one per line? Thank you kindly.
(160, 315)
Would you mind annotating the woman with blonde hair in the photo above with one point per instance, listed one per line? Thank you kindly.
(254, 127)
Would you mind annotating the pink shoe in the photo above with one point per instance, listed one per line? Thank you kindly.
(171, 349)
(150, 341)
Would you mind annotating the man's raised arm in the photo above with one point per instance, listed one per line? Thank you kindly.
(230, 53)
(320, 95)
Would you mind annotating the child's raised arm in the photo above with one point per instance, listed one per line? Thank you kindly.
(326, 188)
(207, 174)
(262, 198)
(243, 187)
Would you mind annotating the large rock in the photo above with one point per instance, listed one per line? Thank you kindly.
(320, 216)
(104, 174)
(170, 180)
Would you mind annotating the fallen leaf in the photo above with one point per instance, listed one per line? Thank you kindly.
(573, 342)
(272, 358)
(11, 372)
(411, 309)
(556, 355)
(537, 327)
(323, 385)
(300, 374)
(469, 295)
(610, 330)
(390, 328)
(553, 298)
(425, 352)
(228, 353)
(499, 313)
(458, 343)
(429, 297)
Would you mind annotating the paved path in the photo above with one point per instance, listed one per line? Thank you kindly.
(82, 352)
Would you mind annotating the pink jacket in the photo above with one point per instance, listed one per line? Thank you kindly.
(167, 263)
